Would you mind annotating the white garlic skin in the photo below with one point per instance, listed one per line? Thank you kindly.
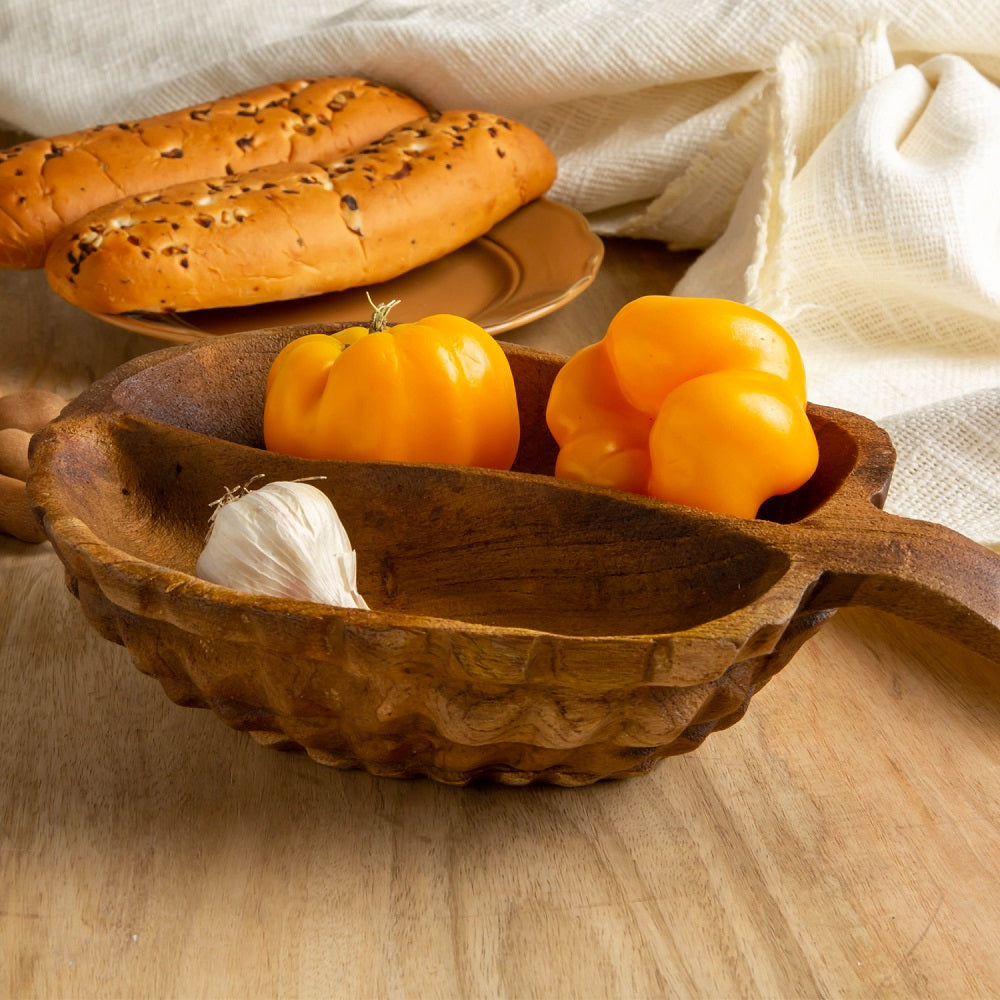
(283, 540)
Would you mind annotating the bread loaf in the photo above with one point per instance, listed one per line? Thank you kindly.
(47, 184)
(286, 231)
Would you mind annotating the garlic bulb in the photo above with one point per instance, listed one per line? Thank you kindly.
(284, 540)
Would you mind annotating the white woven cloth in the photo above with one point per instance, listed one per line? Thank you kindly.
(839, 162)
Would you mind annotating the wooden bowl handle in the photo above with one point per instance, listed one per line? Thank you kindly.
(917, 570)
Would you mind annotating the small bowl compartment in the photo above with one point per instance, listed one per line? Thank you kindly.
(505, 550)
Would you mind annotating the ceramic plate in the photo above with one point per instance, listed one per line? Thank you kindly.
(526, 266)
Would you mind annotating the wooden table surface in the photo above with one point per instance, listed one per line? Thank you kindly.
(841, 841)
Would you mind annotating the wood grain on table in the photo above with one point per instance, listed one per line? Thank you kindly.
(840, 841)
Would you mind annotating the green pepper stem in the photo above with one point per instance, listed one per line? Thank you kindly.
(380, 313)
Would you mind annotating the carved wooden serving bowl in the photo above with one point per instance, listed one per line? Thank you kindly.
(521, 628)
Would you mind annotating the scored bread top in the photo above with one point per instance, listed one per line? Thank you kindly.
(292, 230)
(46, 184)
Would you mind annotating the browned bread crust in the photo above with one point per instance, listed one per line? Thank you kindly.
(47, 184)
(291, 230)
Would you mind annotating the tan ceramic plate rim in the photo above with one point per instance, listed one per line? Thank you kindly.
(543, 256)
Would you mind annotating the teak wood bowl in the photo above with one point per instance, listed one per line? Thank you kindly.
(522, 629)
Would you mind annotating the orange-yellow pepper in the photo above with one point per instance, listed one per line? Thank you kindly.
(696, 401)
(438, 390)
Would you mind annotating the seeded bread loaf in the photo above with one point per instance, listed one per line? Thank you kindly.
(292, 230)
(47, 184)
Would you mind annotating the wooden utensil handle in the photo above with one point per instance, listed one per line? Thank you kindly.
(917, 570)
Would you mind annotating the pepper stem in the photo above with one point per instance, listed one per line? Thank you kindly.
(380, 313)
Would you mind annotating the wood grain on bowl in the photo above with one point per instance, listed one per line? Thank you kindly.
(521, 628)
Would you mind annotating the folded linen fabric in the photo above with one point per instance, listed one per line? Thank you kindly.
(836, 163)
(874, 238)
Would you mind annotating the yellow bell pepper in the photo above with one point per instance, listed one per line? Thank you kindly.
(438, 390)
(696, 401)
